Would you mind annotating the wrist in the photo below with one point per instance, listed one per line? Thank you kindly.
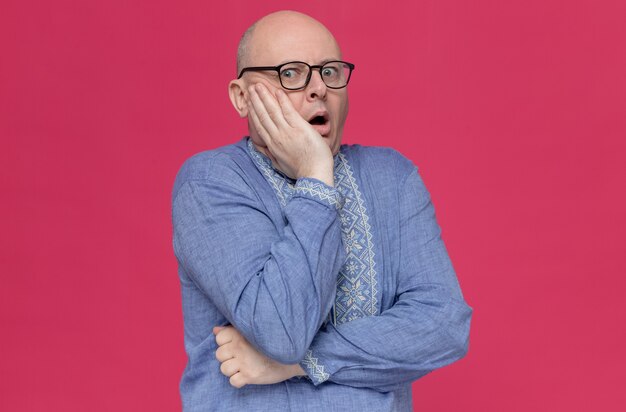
(324, 175)
(296, 370)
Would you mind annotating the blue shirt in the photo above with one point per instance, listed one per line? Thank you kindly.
(353, 281)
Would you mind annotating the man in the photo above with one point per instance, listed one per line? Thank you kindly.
(313, 274)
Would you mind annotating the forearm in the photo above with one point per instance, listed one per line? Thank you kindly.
(404, 343)
(275, 288)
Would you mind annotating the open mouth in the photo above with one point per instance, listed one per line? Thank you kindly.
(321, 123)
(318, 120)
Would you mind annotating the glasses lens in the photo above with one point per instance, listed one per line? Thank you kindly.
(293, 75)
(336, 74)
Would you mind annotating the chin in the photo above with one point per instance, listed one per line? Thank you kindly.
(334, 143)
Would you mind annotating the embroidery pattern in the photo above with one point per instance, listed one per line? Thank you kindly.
(316, 371)
(320, 191)
(357, 281)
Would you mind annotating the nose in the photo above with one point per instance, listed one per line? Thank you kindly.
(316, 89)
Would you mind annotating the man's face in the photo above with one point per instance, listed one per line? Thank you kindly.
(309, 42)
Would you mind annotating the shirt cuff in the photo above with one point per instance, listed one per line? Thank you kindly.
(320, 191)
(313, 369)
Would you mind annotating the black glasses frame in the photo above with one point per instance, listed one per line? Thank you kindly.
(319, 68)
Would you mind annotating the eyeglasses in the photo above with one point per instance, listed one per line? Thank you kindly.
(296, 75)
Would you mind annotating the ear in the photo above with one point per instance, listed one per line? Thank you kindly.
(237, 93)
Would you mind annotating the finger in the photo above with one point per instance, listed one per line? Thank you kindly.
(290, 114)
(229, 368)
(224, 336)
(217, 329)
(224, 353)
(257, 125)
(264, 117)
(237, 380)
(271, 105)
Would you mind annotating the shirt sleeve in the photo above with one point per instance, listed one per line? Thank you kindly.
(425, 329)
(275, 285)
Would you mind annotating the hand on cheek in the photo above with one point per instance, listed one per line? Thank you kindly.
(296, 147)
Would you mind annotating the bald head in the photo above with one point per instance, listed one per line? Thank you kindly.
(242, 50)
(279, 30)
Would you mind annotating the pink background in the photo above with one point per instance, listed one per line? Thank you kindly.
(514, 111)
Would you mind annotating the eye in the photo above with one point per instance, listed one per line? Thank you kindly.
(290, 73)
(329, 71)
